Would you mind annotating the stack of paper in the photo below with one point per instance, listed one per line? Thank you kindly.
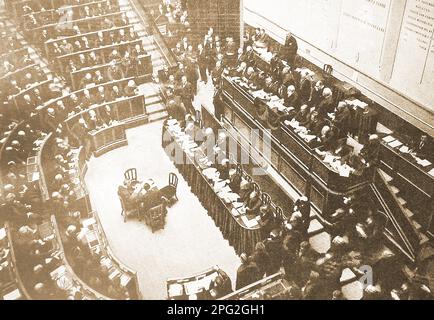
(404, 149)
(2, 233)
(175, 290)
(424, 163)
(431, 172)
(388, 139)
(395, 144)
(13, 295)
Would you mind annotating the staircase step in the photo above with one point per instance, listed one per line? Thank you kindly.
(408, 213)
(154, 108)
(395, 190)
(153, 99)
(417, 225)
(424, 239)
(402, 201)
(387, 177)
(158, 116)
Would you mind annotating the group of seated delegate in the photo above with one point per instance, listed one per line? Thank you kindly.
(286, 239)
(22, 203)
(305, 107)
(82, 17)
(143, 196)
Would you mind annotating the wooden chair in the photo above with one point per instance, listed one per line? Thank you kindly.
(131, 174)
(239, 169)
(169, 191)
(256, 188)
(157, 217)
(279, 214)
(127, 210)
(265, 199)
(198, 117)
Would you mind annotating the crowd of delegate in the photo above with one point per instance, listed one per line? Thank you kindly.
(312, 105)
(22, 133)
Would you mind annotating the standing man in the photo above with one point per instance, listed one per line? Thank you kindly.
(291, 48)
(187, 95)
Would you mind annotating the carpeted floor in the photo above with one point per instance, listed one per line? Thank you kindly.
(190, 242)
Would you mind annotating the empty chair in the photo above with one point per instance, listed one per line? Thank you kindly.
(248, 178)
(169, 191)
(131, 174)
(128, 209)
(157, 217)
(265, 199)
(279, 215)
(256, 188)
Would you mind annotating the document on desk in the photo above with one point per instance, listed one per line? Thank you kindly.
(424, 163)
(176, 290)
(192, 288)
(388, 139)
(88, 222)
(404, 149)
(329, 159)
(57, 273)
(125, 279)
(431, 172)
(249, 223)
(395, 144)
(13, 295)
(2, 233)
(344, 171)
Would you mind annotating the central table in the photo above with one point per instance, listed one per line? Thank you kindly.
(241, 237)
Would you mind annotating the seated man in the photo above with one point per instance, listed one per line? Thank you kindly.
(224, 169)
(151, 199)
(246, 188)
(424, 148)
(126, 193)
(303, 115)
(131, 89)
(234, 181)
(326, 139)
(253, 204)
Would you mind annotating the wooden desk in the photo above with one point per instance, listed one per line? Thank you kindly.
(144, 70)
(91, 36)
(108, 138)
(85, 25)
(290, 155)
(17, 99)
(117, 269)
(130, 111)
(240, 236)
(104, 52)
(195, 287)
(274, 287)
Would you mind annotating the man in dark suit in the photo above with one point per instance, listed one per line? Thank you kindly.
(424, 148)
(290, 49)
(317, 94)
(187, 94)
(342, 119)
(247, 272)
(326, 105)
(305, 87)
(253, 204)
(114, 72)
(202, 63)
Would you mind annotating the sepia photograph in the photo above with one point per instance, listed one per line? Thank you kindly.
(232, 151)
